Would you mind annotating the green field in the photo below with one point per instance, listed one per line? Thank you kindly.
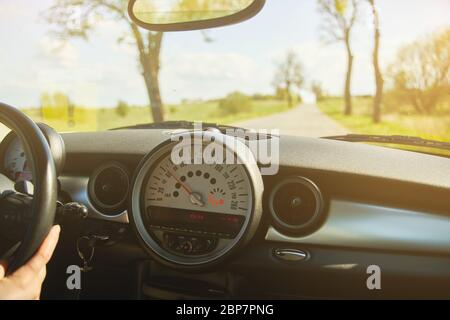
(435, 127)
(95, 119)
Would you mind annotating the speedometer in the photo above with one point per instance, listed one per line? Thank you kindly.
(15, 162)
(219, 189)
(190, 213)
(13, 157)
(213, 199)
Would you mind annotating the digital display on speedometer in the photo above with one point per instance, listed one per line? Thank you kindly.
(225, 225)
(218, 188)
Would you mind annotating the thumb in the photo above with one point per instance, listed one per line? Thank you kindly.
(3, 267)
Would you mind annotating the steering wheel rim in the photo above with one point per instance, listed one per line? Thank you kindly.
(44, 181)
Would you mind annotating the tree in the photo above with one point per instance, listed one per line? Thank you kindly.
(122, 109)
(317, 89)
(421, 72)
(76, 18)
(379, 82)
(339, 19)
(234, 103)
(54, 106)
(289, 74)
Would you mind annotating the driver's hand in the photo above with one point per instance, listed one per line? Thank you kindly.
(26, 282)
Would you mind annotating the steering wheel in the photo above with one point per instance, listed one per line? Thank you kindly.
(42, 208)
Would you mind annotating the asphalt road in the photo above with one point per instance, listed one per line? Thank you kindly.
(305, 120)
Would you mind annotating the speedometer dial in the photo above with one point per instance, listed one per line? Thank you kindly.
(213, 199)
(193, 215)
(13, 159)
(204, 188)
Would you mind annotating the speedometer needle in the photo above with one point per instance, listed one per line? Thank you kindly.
(194, 197)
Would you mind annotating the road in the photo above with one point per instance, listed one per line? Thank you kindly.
(305, 120)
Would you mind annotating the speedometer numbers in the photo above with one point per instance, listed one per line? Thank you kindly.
(195, 205)
(206, 188)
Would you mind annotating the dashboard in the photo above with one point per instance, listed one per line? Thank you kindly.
(332, 209)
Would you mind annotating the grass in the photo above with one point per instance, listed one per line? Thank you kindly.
(92, 119)
(434, 127)
(210, 111)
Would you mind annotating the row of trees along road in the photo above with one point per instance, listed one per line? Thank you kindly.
(76, 18)
(423, 88)
(340, 17)
(289, 75)
(420, 75)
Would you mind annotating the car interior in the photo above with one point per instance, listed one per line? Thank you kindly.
(142, 226)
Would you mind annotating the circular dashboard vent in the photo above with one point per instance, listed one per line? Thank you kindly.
(296, 205)
(108, 188)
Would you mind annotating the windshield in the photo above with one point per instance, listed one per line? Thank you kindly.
(311, 67)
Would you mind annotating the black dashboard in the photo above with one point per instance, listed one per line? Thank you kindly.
(357, 205)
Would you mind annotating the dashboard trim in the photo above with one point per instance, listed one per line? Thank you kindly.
(360, 225)
(322, 155)
(313, 221)
(77, 188)
(109, 210)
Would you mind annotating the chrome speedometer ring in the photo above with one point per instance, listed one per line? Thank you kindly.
(217, 204)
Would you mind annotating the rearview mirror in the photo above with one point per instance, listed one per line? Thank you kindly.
(182, 15)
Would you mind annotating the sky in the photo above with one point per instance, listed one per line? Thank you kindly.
(100, 71)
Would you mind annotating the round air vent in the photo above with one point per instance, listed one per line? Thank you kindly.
(108, 188)
(296, 205)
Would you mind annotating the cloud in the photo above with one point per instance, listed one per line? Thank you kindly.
(63, 54)
(109, 31)
(15, 10)
(213, 66)
(210, 75)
